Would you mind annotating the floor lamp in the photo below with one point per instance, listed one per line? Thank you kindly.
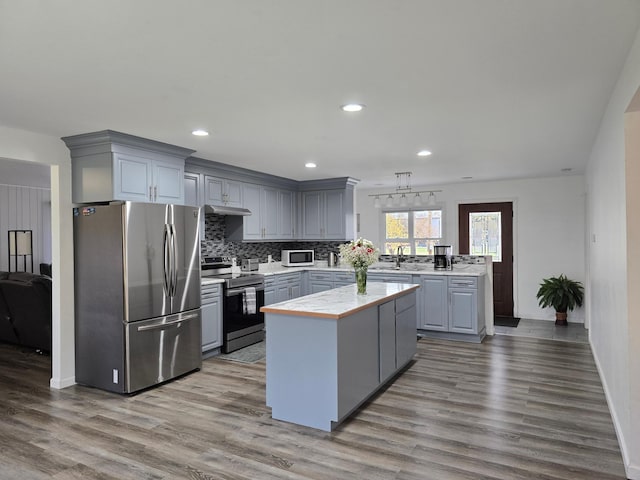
(20, 245)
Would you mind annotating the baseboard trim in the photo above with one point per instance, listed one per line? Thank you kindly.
(632, 472)
(61, 383)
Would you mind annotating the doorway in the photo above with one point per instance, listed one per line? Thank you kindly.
(487, 229)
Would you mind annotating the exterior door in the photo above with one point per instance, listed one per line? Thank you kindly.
(487, 229)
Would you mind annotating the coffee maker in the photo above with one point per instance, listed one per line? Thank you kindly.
(442, 257)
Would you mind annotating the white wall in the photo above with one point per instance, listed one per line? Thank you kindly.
(28, 146)
(25, 208)
(549, 230)
(614, 335)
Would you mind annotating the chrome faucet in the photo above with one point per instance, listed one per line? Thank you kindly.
(399, 256)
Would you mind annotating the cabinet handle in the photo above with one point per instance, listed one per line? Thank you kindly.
(155, 193)
(150, 193)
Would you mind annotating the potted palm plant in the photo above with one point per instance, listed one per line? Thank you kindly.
(562, 294)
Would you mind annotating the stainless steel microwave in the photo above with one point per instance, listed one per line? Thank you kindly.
(298, 258)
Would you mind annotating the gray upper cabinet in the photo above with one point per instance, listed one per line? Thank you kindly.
(327, 214)
(286, 214)
(192, 190)
(222, 192)
(271, 215)
(110, 165)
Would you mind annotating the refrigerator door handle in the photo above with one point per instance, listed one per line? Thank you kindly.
(166, 253)
(159, 326)
(174, 261)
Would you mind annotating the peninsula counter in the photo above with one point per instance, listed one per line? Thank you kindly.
(329, 352)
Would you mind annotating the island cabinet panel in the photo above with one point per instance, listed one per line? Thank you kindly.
(387, 332)
(301, 376)
(358, 370)
(320, 369)
(405, 333)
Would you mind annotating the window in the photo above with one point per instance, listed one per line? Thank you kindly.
(417, 231)
(485, 234)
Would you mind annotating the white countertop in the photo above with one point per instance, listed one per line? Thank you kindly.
(466, 269)
(459, 269)
(340, 302)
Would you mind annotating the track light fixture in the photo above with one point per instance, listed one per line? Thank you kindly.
(404, 196)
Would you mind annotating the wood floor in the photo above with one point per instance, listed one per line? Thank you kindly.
(509, 408)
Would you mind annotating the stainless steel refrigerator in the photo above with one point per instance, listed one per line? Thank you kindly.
(137, 294)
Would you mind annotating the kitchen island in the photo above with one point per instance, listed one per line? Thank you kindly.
(328, 352)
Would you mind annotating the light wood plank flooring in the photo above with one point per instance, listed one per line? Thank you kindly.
(509, 408)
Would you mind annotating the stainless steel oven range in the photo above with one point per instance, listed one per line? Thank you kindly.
(243, 295)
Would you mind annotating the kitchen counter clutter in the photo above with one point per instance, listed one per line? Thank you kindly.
(328, 352)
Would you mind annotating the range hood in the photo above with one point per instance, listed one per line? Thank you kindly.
(224, 210)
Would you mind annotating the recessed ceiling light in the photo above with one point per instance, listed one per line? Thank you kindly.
(310, 165)
(424, 153)
(200, 133)
(352, 107)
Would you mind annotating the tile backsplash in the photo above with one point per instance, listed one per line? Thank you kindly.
(215, 244)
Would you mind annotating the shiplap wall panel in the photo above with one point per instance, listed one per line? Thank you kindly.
(25, 208)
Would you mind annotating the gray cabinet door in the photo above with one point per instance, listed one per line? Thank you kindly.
(133, 178)
(168, 182)
(463, 310)
(433, 303)
(269, 213)
(387, 339)
(252, 224)
(211, 321)
(213, 190)
(312, 215)
(316, 286)
(335, 221)
(286, 217)
(192, 189)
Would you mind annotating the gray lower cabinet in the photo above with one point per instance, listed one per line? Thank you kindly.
(464, 314)
(389, 277)
(319, 281)
(433, 313)
(282, 287)
(452, 307)
(211, 317)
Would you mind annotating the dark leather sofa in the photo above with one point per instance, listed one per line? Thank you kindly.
(25, 310)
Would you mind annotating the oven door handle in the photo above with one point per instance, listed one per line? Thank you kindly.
(237, 291)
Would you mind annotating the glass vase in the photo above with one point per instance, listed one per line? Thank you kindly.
(361, 280)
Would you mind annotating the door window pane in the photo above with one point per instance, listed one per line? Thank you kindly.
(485, 234)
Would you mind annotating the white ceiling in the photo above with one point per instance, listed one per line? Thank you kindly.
(495, 88)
